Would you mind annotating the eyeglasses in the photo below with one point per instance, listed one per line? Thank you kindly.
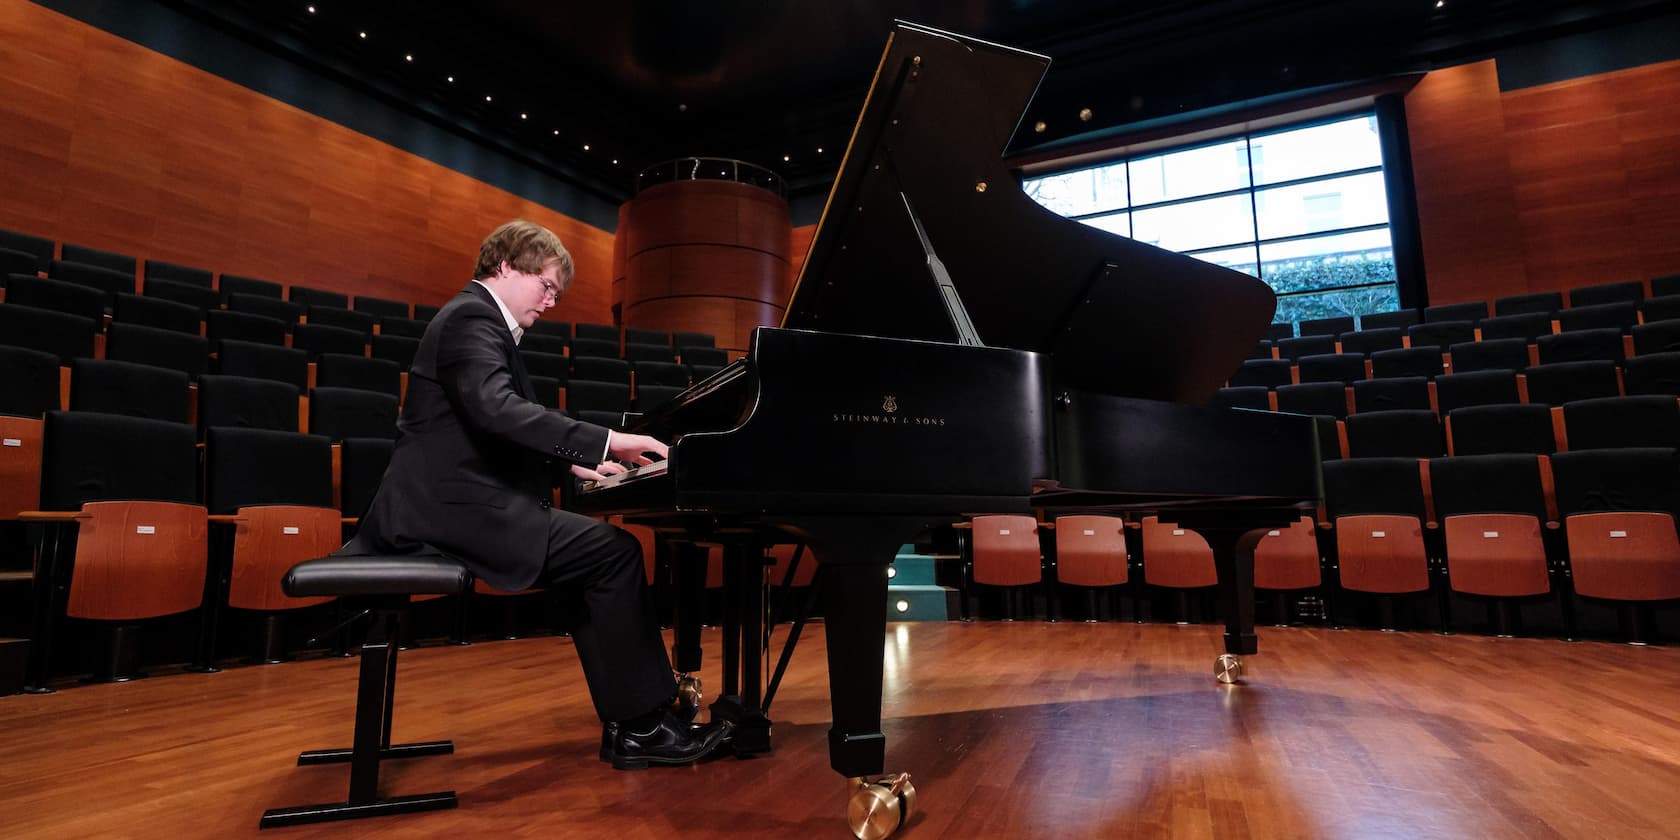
(551, 291)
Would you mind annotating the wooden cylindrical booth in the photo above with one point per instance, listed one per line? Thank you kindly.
(699, 254)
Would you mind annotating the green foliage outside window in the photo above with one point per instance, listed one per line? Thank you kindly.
(1295, 279)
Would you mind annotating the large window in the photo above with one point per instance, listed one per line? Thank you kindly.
(1302, 208)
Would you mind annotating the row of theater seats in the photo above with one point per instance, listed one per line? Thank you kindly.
(1500, 530)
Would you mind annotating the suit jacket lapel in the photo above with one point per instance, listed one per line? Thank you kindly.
(516, 364)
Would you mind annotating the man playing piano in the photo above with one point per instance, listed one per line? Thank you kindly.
(471, 476)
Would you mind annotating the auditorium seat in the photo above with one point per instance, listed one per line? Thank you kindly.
(1440, 334)
(1492, 511)
(339, 413)
(63, 335)
(105, 280)
(160, 270)
(402, 328)
(29, 388)
(1502, 428)
(1262, 350)
(189, 354)
(1391, 394)
(660, 373)
(597, 332)
(1376, 509)
(1177, 559)
(1630, 291)
(1091, 558)
(550, 365)
(1663, 308)
(1266, 373)
(1309, 345)
(13, 261)
(317, 297)
(158, 312)
(197, 297)
(700, 372)
(1257, 397)
(38, 246)
(558, 329)
(1000, 552)
(242, 402)
(705, 356)
(1346, 368)
(337, 316)
(1659, 337)
(599, 369)
(1326, 398)
(1480, 387)
(1618, 507)
(1490, 354)
(337, 370)
(1656, 373)
(1527, 326)
(584, 395)
(1619, 422)
(126, 488)
(425, 311)
(1544, 303)
(1369, 341)
(1474, 310)
(1556, 384)
(546, 390)
(551, 344)
(379, 307)
(58, 296)
(1620, 315)
(649, 353)
(681, 340)
(594, 347)
(135, 390)
(1412, 361)
(1401, 318)
(640, 335)
(1661, 286)
(274, 492)
(223, 325)
(1325, 326)
(316, 339)
(234, 284)
(1401, 433)
(649, 397)
(109, 260)
(395, 348)
(263, 361)
(1289, 560)
(1581, 346)
(284, 311)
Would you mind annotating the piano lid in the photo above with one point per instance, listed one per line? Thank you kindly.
(1120, 316)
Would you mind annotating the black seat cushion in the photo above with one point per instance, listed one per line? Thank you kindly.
(377, 574)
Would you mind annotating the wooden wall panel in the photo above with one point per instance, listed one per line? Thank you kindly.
(1472, 242)
(108, 144)
(704, 256)
(802, 237)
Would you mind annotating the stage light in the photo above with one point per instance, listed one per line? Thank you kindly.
(902, 606)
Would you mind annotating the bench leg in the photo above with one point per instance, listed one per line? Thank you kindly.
(371, 743)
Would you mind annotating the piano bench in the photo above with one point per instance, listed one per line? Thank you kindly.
(379, 585)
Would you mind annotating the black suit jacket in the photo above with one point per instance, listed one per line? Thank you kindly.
(471, 473)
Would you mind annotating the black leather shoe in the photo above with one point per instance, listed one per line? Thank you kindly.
(671, 742)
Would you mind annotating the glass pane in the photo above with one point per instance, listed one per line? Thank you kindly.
(1196, 225)
(1330, 261)
(1318, 150)
(1192, 172)
(1078, 193)
(1241, 259)
(1351, 201)
(1120, 223)
(1365, 301)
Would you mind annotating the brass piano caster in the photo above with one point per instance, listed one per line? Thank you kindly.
(1228, 668)
(879, 808)
(686, 706)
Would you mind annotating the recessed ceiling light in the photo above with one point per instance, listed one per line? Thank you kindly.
(486, 97)
(819, 150)
(1440, 3)
(586, 147)
(556, 132)
(312, 10)
(408, 57)
(615, 161)
(363, 34)
(451, 79)
(786, 158)
(523, 117)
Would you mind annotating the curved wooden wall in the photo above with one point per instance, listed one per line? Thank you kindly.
(703, 256)
(109, 144)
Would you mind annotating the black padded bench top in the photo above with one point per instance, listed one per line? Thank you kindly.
(377, 574)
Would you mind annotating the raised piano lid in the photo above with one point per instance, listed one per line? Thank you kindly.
(1119, 316)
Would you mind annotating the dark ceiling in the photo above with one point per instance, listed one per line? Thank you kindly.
(641, 81)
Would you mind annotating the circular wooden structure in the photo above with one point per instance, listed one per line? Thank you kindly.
(706, 256)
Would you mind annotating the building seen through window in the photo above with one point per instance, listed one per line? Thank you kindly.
(1303, 208)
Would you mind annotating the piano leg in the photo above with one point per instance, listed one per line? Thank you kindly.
(743, 648)
(1233, 557)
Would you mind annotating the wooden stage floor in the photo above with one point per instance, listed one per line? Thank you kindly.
(1011, 730)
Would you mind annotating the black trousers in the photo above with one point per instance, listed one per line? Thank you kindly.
(598, 569)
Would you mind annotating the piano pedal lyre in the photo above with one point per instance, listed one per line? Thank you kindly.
(686, 706)
(879, 808)
(1228, 668)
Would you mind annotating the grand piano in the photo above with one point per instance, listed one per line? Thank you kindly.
(951, 349)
